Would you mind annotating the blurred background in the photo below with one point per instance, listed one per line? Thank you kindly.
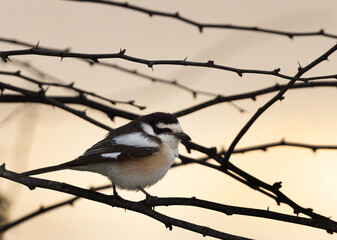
(36, 135)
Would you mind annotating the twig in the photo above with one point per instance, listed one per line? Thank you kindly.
(222, 208)
(41, 95)
(43, 210)
(139, 207)
(70, 87)
(150, 63)
(252, 95)
(202, 26)
(277, 97)
(272, 191)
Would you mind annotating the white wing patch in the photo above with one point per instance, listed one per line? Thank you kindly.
(175, 127)
(111, 155)
(148, 129)
(136, 139)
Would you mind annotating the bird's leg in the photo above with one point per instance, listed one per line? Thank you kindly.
(149, 198)
(115, 194)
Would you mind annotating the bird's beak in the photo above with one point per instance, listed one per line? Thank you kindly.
(183, 136)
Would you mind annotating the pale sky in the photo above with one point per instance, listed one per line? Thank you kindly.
(36, 136)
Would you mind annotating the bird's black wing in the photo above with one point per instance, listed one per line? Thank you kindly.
(107, 150)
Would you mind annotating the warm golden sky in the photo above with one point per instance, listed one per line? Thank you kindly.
(36, 136)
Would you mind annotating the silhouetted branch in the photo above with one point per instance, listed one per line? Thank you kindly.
(43, 209)
(43, 98)
(278, 96)
(202, 26)
(253, 182)
(70, 86)
(251, 95)
(140, 207)
(222, 208)
(150, 63)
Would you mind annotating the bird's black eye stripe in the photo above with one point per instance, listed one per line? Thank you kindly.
(163, 130)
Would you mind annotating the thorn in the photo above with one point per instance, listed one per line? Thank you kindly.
(277, 70)
(150, 14)
(253, 98)
(314, 149)
(213, 150)
(111, 116)
(291, 36)
(150, 65)
(239, 73)
(322, 31)
(3, 166)
(67, 50)
(174, 82)
(37, 45)
(268, 208)
(177, 14)
(210, 63)
(169, 226)
(281, 98)
(142, 107)
(185, 59)
(282, 141)
(153, 80)
(18, 73)
(31, 187)
(200, 28)
(132, 102)
(62, 59)
(296, 211)
(112, 102)
(204, 231)
(277, 185)
(194, 94)
(122, 51)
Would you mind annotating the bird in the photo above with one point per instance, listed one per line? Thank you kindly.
(134, 156)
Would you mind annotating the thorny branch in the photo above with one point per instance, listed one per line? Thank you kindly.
(202, 26)
(226, 209)
(150, 63)
(140, 207)
(70, 86)
(278, 96)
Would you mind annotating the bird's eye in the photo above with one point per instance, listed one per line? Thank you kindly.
(167, 130)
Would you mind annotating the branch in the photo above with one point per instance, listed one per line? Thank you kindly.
(139, 207)
(43, 98)
(222, 208)
(278, 96)
(251, 95)
(69, 87)
(283, 142)
(150, 63)
(272, 191)
(202, 26)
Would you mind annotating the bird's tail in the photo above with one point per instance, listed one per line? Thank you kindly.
(43, 170)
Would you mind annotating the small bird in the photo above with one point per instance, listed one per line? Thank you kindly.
(133, 156)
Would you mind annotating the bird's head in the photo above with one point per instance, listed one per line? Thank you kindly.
(164, 126)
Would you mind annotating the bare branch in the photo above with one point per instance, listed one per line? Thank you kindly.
(43, 209)
(69, 87)
(252, 95)
(202, 26)
(277, 97)
(272, 191)
(150, 63)
(139, 207)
